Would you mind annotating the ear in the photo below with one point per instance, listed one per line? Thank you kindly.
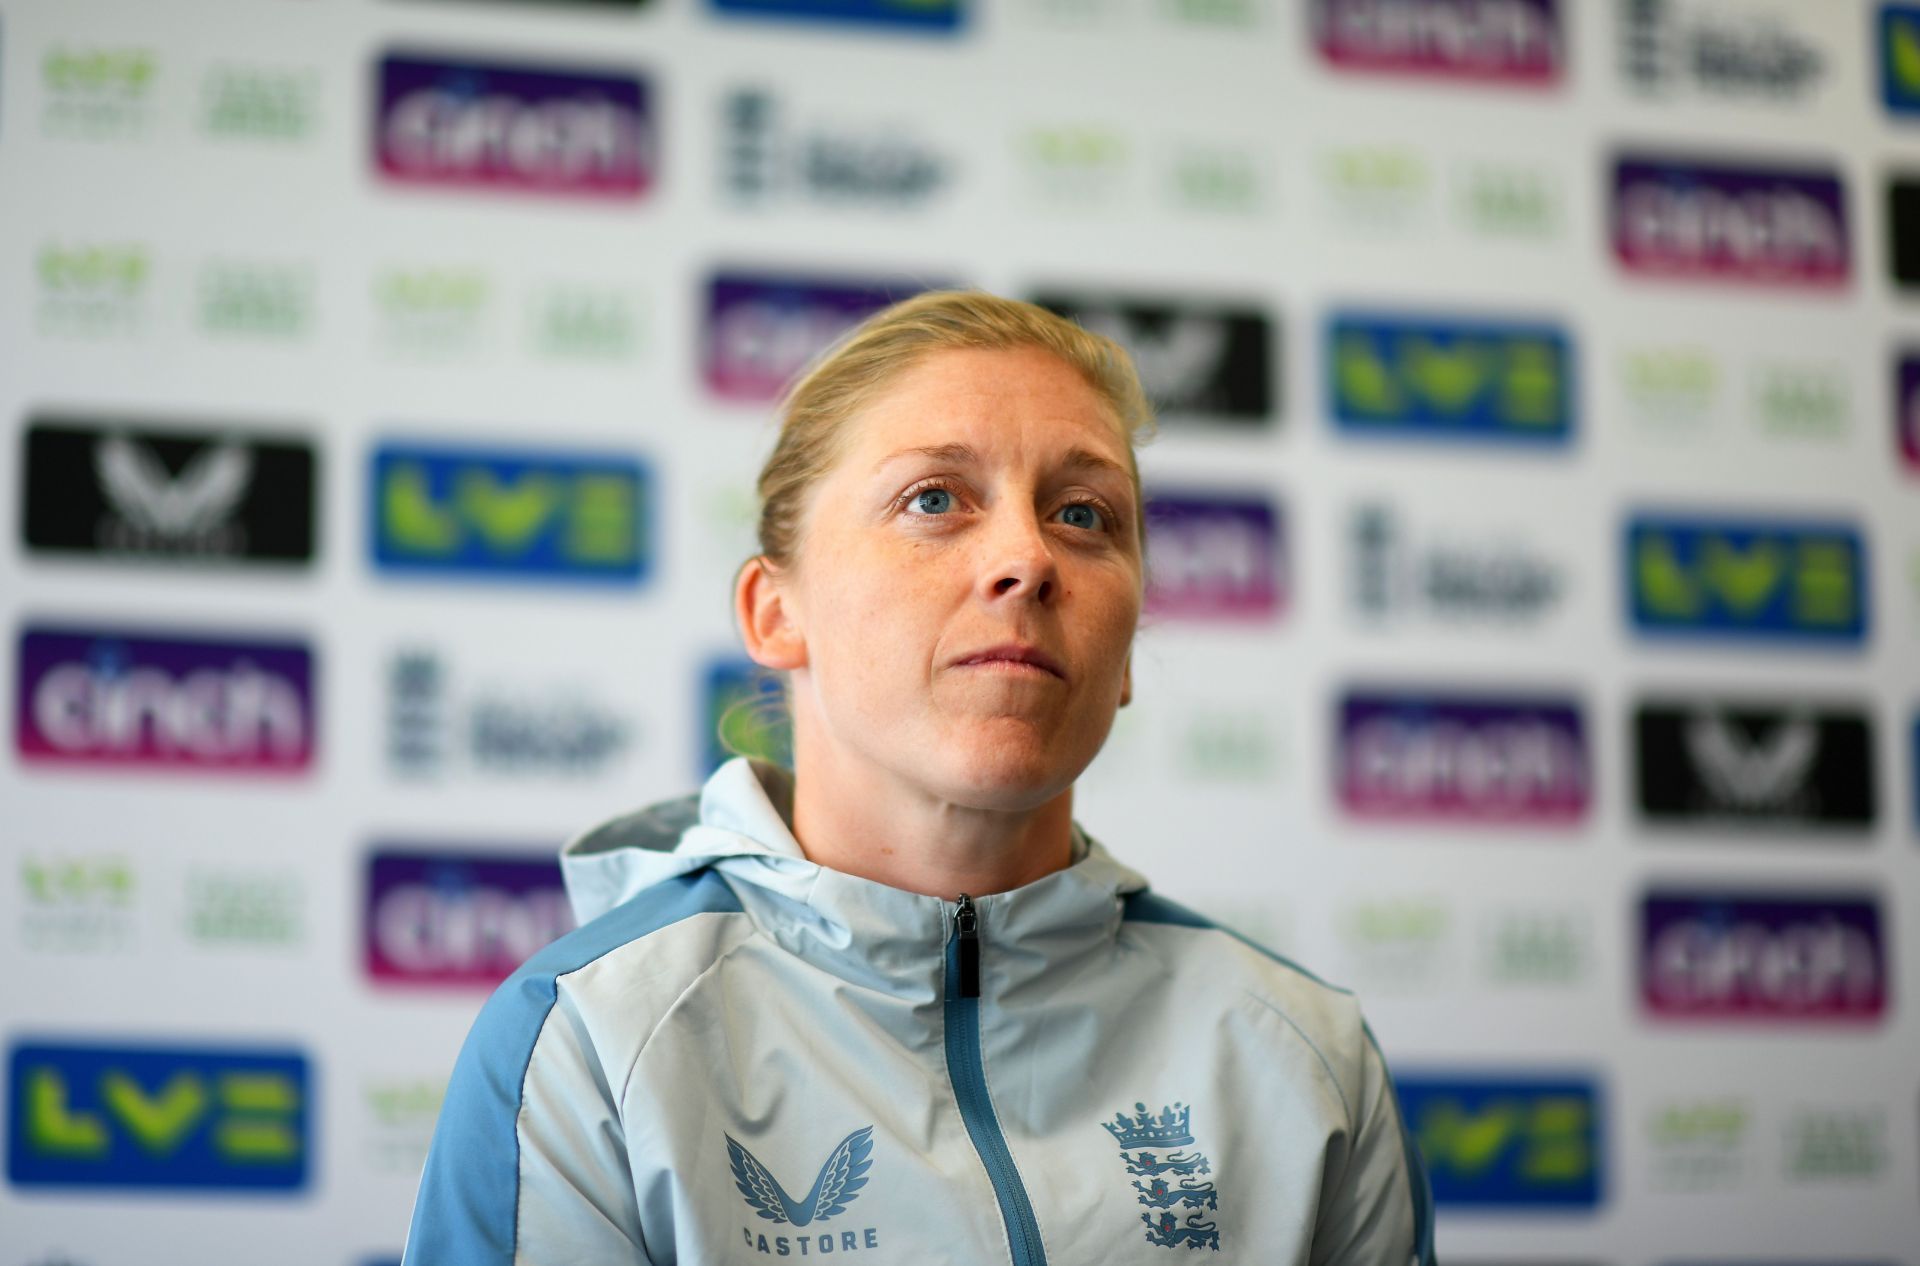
(1126, 681)
(766, 621)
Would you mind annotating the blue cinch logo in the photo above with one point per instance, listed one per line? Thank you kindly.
(1521, 1141)
(1168, 1178)
(509, 513)
(1450, 379)
(1900, 57)
(933, 17)
(129, 1116)
(1759, 579)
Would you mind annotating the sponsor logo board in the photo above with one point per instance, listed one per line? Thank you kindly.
(1498, 578)
(159, 701)
(1456, 379)
(493, 729)
(1406, 754)
(459, 919)
(1903, 230)
(768, 159)
(1683, 218)
(1747, 579)
(1726, 54)
(1795, 767)
(123, 489)
(203, 1119)
(1520, 1141)
(1215, 556)
(1906, 410)
(528, 514)
(541, 129)
(1195, 358)
(1899, 56)
(1777, 957)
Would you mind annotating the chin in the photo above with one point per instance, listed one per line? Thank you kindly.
(1008, 775)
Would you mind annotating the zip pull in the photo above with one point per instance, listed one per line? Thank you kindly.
(966, 933)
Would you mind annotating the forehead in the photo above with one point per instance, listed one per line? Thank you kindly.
(1004, 402)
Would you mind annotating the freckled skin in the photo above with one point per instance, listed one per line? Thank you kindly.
(909, 561)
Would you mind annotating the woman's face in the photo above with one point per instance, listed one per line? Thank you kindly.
(981, 508)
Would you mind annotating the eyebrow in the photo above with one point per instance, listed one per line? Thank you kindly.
(963, 455)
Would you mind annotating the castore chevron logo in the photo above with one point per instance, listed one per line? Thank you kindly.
(835, 1187)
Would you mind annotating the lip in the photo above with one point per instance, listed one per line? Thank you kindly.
(1013, 652)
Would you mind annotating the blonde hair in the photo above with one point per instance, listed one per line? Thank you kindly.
(845, 377)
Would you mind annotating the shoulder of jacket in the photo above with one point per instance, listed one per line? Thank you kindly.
(1326, 1016)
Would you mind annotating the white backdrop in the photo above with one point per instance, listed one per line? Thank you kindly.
(198, 240)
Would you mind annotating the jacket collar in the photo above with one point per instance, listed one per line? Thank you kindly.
(866, 932)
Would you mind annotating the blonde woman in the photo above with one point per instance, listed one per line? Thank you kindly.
(894, 1005)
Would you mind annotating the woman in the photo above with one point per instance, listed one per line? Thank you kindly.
(895, 1005)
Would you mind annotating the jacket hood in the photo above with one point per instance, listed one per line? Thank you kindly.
(740, 825)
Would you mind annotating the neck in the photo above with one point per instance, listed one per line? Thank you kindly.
(861, 819)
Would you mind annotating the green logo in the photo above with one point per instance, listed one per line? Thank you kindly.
(402, 1115)
(1230, 746)
(1535, 948)
(1216, 180)
(1836, 1146)
(1075, 165)
(1505, 201)
(1376, 188)
(92, 291)
(271, 302)
(585, 324)
(1803, 401)
(1397, 943)
(432, 313)
(1669, 388)
(101, 94)
(258, 104)
(244, 911)
(1699, 1145)
(77, 905)
(1233, 14)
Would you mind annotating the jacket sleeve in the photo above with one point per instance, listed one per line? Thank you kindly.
(528, 1162)
(1377, 1208)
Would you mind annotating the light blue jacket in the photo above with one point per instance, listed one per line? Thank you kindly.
(741, 1055)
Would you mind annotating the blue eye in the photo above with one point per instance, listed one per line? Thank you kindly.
(933, 500)
(1081, 514)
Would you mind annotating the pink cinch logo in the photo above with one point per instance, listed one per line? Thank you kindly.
(1423, 755)
(1516, 42)
(464, 919)
(539, 128)
(110, 698)
(1711, 222)
(1762, 956)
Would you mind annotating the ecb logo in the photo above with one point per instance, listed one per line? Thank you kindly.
(511, 513)
(1519, 1142)
(125, 1116)
(1900, 57)
(1506, 382)
(1777, 580)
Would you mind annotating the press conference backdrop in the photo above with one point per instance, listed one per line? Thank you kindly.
(1535, 550)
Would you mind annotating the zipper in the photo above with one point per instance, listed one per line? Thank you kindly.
(969, 1076)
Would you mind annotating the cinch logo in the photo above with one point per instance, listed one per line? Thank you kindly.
(930, 17)
(1762, 956)
(1521, 1142)
(1797, 768)
(1469, 758)
(1470, 380)
(96, 697)
(1900, 57)
(124, 1116)
(527, 513)
(743, 713)
(540, 128)
(1197, 359)
(97, 487)
(762, 329)
(1906, 409)
(1674, 217)
(1770, 580)
(1213, 556)
(1494, 41)
(460, 919)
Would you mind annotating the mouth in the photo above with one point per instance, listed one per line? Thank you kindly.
(1014, 658)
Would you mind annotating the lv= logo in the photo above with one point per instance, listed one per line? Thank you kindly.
(1171, 1183)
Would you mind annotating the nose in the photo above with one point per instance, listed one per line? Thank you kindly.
(1019, 561)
